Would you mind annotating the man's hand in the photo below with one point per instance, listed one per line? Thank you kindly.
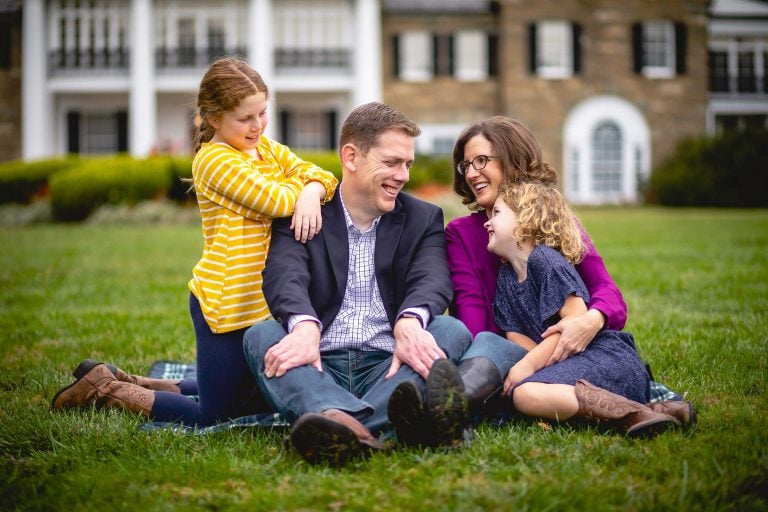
(300, 347)
(576, 332)
(307, 219)
(414, 346)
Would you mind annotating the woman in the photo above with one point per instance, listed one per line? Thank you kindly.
(486, 155)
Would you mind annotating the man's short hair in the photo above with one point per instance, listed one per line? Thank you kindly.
(365, 123)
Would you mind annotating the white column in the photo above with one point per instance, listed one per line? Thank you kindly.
(367, 52)
(142, 112)
(259, 42)
(37, 121)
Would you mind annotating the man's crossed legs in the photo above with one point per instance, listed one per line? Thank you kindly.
(338, 413)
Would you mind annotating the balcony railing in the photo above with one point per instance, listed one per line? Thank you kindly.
(90, 62)
(324, 59)
(196, 58)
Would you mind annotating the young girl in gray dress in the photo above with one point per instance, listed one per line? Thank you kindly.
(535, 232)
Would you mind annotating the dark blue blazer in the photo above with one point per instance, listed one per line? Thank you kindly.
(411, 263)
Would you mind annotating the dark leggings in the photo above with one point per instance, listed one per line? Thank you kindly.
(226, 386)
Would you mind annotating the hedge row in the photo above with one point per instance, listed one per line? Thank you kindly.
(77, 186)
(729, 170)
(75, 194)
(21, 182)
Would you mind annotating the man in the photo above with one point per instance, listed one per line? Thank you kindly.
(358, 309)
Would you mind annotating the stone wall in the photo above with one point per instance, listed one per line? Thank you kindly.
(674, 108)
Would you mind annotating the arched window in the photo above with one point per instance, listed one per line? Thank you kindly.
(607, 158)
(606, 151)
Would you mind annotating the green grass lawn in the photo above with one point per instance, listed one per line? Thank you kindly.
(696, 282)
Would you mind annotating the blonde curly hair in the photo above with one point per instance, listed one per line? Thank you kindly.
(544, 217)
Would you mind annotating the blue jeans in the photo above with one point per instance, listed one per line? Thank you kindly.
(502, 352)
(225, 385)
(351, 380)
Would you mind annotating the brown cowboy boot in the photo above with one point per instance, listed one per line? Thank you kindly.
(332, 436)
(630, 417)
(682, 411)
(145, 382)
(99, 386)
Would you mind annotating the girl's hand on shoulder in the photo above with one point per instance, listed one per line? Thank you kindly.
(307, 219)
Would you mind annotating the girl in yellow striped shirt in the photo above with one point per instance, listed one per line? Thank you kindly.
(242, 180)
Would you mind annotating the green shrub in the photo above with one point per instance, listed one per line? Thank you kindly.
(430, 169)
(112, 180)
(180, 168)
(21, 181)
(328, 160)
(727, 170)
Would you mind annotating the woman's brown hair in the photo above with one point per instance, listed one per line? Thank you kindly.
(518, 151)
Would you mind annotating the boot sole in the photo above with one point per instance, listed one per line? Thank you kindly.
(319, 439)
(447, 403)
(652, 428)
(405, 411)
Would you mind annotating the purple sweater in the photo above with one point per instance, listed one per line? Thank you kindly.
(474, 271)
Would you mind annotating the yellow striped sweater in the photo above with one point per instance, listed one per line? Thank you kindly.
(238, 197)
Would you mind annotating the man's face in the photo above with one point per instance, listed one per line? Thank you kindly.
(381, 174)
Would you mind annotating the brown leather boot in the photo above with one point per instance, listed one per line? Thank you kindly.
(99, 386)
(630, 417)
(333, 437)
(682, 411)
(145, 382)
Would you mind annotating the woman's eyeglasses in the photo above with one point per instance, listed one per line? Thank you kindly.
(478, 163)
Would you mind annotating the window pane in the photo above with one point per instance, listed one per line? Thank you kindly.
(554, 51)
(216, 41)
(655, 45)
(718, 71)
(309, 130)
(99, 133)
(416, 56)
(658, 49)
(606, 158)
(471, 55)
(747, 81)
(186, 29)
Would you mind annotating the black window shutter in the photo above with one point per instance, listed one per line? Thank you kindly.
(532, 48)
(73, 132)
(285, 127)
(122, 131)
(6, 45)
(493, 55)
(436, 68)
(396, 56)
(576, 33)
(331, 116)
(450, 42)
(681, 42)
(637, 48)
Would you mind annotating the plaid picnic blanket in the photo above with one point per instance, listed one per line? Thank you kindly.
(175, 370)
